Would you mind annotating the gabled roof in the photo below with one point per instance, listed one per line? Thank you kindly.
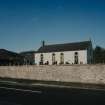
(27, 52)
(64, 47)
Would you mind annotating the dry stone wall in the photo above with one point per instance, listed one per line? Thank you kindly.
(75, 73)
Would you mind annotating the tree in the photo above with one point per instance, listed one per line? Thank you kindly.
(99, 55)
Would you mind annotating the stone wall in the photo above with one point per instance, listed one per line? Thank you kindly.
(75, 73)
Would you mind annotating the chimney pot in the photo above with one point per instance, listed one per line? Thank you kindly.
(43, 43)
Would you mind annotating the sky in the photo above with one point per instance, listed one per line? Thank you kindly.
(25, 23)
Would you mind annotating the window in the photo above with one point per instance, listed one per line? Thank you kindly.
(41, 59)
(53, 58)
(76, 53)
(76, 58)
(61, 58)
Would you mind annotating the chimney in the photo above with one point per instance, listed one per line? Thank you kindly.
(43, 43)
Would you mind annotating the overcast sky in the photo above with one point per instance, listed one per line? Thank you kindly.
(25, 23)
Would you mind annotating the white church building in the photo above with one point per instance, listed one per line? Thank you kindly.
(67, 53)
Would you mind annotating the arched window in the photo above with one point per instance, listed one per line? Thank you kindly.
(76, 53)
(76, 58)
(61, 58)
(41, 59)
(53, 58)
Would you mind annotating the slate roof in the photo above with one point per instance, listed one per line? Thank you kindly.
(64, 47)
(27, 52)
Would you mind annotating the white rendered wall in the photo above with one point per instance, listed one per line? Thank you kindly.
(68, 57)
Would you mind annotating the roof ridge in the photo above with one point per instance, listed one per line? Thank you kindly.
(68, 43)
